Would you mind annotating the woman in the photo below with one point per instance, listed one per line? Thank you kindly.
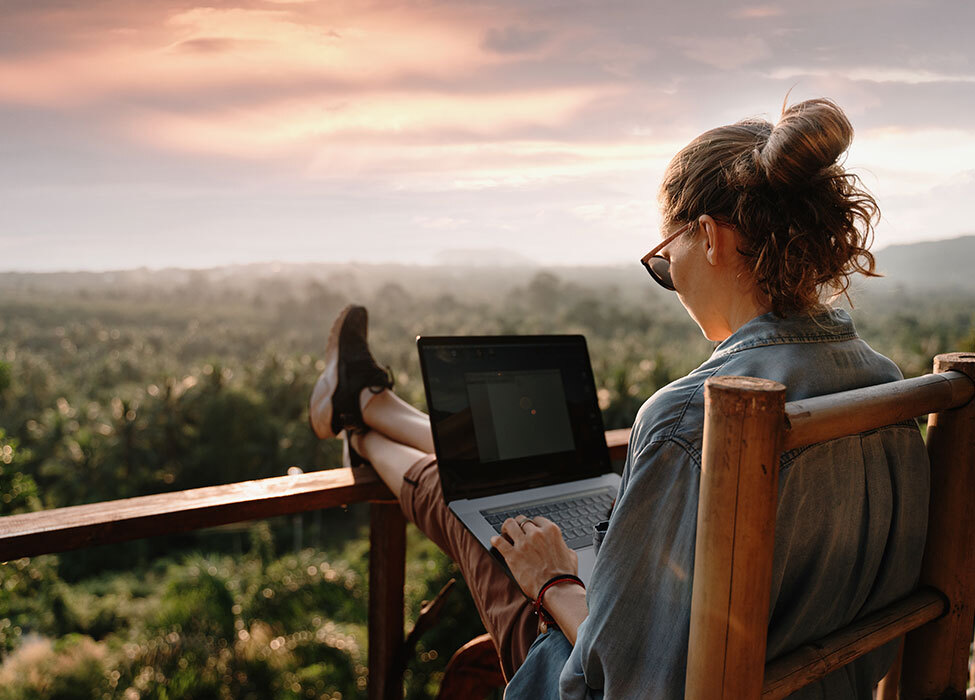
(761, 226)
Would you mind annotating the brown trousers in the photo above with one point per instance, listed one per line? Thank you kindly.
(505, 611)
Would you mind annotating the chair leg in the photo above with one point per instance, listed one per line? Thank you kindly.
(472, 672)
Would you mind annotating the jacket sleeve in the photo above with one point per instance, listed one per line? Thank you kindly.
(634, 641)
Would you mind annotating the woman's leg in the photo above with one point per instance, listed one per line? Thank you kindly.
(412, 475)
(396, 439)
(390, 459)
(399, 437)
(396, 419)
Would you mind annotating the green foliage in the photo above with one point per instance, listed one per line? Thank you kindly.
(72, 668)
(204, 627)
(197, 604)
(18, 491)
(4, 375)
(32, 601)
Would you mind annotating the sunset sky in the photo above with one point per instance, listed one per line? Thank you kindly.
(172, 133)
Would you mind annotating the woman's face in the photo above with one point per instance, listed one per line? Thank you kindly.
(689, 271)
(706, 271)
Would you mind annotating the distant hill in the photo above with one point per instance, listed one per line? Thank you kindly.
(947, 265)
(483, 257)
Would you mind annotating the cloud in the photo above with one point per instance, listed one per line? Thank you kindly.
(633, 214)
(874, 74)
(758, 12)
(440, 223)
(726, 53)
(924, 152)
(931, 208)
(214, 45)
(319, 121)
(513, 39)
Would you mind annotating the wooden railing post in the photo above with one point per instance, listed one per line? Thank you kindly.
(743, 426)
(936, 655)
(387, 570)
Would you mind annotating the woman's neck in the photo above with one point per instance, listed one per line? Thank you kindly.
(742, 308)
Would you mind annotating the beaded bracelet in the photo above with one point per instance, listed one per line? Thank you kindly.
(537, 603)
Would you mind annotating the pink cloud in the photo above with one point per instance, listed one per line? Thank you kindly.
(758, 12)
(378, 116)
(170, 53)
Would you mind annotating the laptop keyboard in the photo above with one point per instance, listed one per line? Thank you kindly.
(575, 515)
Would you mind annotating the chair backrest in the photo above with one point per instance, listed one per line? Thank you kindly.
(748, 424)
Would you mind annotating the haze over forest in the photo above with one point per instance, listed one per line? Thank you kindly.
(472, 274)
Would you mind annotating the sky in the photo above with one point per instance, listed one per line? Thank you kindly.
(178, 133)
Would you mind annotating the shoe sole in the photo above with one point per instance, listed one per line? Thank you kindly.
(331, 368)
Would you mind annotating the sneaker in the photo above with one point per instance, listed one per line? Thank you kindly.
(349, 368)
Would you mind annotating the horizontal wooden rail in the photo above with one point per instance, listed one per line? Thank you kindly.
(810, 662)
(618, 441)
(76, 527)
(847, 413)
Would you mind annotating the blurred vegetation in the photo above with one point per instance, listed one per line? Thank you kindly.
(124, 384)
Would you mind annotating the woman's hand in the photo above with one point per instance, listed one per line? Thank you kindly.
(534, 551)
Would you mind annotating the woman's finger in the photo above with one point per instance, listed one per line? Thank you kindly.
(542, 522)
(513, 530)
(501, 544)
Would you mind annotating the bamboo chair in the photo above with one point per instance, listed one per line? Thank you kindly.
(747, 427)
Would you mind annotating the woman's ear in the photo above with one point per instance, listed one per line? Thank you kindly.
(713, 239)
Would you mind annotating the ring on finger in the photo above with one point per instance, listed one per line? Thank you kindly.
(524, 519)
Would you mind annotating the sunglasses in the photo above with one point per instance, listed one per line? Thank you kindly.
(659, 266)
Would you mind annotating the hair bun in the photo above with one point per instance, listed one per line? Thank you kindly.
(809, 139)
(804, 225)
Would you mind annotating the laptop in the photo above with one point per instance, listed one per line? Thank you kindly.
(517, 430)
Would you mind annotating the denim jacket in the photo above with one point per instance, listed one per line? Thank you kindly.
(849, 533)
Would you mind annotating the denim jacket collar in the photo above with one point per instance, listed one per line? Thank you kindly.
(768, 329)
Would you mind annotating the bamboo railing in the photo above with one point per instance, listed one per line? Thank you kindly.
(77, 527)
(747, 426)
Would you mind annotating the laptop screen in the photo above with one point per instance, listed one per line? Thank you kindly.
(511, 412)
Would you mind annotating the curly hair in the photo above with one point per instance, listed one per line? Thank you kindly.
(805, 224)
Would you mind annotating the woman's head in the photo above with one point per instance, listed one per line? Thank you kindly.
(803, 224)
